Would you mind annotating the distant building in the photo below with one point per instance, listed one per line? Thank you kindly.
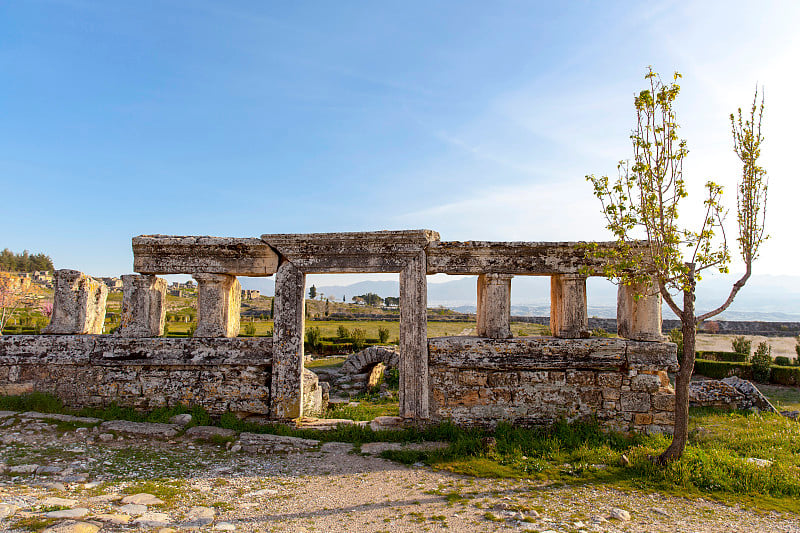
(250, 294)
(113, 284)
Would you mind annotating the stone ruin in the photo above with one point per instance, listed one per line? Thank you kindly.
(473, 380)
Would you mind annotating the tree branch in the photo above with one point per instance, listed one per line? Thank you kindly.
(734, 291)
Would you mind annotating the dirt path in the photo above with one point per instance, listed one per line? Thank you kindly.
(327, 489)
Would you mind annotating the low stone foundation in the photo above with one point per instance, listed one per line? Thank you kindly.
(539, 380)
(219, 374)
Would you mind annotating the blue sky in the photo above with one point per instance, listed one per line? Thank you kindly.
(476, 119)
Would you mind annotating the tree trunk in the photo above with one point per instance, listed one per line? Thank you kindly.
(689, 330)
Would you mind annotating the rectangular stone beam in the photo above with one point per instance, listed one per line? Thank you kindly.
(373, 251)
(414, 340)
(287, 342)
(531, 258)
(165, 254)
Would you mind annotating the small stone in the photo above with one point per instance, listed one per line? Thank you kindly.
(236, 448)
(262, 492)
(7, 509)
(59, 502)
(225, 526)
(77, 478)
(182, 419)
(153, 520)
(78, 512)
(167, 530)
(23, 469)
(761, 463)
(198, 517)
(106, 437)
(659, 511)
(134, 509)
(624, 461)
(48, 470)
(598, 520)
(620, 514)
(208, 432)
(142, 499)
(71, 526)
(113, 518)
(54, 485)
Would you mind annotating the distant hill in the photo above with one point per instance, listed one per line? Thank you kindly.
(765, 297)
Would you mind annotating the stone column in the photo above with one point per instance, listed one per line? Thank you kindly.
(143, 306)
(79, 304)
(218, 305)
(494, 306)
(414, 339)
(640, 319)
(568, 317)
(287, 342)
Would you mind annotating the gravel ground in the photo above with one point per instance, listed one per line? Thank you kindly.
(208, 486)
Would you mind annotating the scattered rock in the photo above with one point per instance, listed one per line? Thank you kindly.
(78, 512)
(44, 470)
(142, 429)
(106, 437)
(262, 492)
(7, 509)
(762, 463)
(225, 526)
(54, 485)
(59, 502)
(376, 448)
(337, 447)
(153, 520)
(71, 526)
(263, 443)
(181, 420)
(659, 511)
(207, 432)
(23, 469)
(142, 499)
(620, 514)
(624, 461)
(324, 424)
(114, 518)
(134, 509)
(383, 423)
(198, 517)
(61, 418)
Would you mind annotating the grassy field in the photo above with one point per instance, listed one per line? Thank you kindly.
(782, 397)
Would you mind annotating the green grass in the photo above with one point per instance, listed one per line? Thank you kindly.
(367, 409)
(782, 397)
(326, 362)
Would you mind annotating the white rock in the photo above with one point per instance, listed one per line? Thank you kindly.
(225, 526)
(761, 463)
(61, 502)
(134, 509)
(198, 517)
(78, 512)
(23, 469)
(620, 514)
(182, 419)
(142, 499)
(7, 509)
(106, 437)
(71, 526)
(113, 518)
(262, 492)
(153, 520)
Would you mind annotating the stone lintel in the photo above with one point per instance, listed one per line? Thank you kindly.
(143, 306)
(568, 314)
(528, 353)
(79, 304)
(218, 305)
(494, 306)
(167, 254)
(374, 251)
(522, 258)
(651, 356)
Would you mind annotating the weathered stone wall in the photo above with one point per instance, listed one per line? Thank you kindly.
(538, 380)
(219, 374)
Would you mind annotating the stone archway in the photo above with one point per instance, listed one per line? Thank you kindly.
(361, 362)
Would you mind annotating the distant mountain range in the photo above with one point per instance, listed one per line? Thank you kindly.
(767, 298)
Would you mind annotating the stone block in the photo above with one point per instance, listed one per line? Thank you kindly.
(218, 305)
(635, 402)
(472, 378)
(645, 383)
(494, 306)
(578, 377)
(591, 398)
(143, 306)
(664, 402)
(503, 379)
(611, 394)
(664, 418)
(79, 304)
(165, 254)
(609, 379)
(642, 419)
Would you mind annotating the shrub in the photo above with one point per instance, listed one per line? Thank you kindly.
(250, 329)
(797, 348)
(192, 329)
(313, 338)
(359, 338)
(782, 360)
(762, 361)
(722, 369)
(342, 333)
(383, 334)
(731, 357)
(392, 378)
(600, 332)
(742, 345)
(785, 375)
